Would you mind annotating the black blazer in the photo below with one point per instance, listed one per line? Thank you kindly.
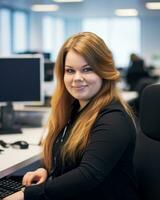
(103, 171)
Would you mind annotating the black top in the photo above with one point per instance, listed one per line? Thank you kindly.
(103, 171)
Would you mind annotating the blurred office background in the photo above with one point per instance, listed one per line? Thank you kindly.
(25, 28)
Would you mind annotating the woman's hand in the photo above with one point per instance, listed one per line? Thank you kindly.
(35, 177)
(16, 196)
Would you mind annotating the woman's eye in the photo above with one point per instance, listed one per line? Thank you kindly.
(69, 71)
(87, 69)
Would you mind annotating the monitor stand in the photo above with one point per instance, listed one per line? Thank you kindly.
(7, 120)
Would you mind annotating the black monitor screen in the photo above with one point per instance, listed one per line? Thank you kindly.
(21, 79)
(48, 71)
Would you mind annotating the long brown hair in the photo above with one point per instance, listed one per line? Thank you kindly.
(97, 55)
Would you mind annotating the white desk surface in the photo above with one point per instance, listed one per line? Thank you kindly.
(30, 135)
(12, 159)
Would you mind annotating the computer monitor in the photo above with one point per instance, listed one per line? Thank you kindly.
(48, 71)
(21, 81)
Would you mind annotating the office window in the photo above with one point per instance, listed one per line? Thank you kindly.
(53, 35)
(20, 31)
(122, 35)
(100, 26)
(5, 32)
(72, 26)
(48, 24)
(124, 39)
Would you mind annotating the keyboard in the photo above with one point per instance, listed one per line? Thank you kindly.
(10, 131)
(8, 186)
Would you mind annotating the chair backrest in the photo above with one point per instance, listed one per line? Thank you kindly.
(147, 155)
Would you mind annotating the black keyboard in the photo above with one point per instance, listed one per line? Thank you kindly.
(9, 186)
(10, 131)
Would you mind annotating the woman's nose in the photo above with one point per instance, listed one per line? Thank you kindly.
(78, 76)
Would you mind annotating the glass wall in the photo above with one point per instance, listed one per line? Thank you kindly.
(5, 32)
(53, 35)
(122, 35)
(20, 31)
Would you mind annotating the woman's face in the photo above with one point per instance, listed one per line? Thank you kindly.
(80, 79)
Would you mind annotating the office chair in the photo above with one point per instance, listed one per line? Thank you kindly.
(139, 89)
(147, 155)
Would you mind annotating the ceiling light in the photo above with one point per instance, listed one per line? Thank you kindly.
(126, 12)
(67, 1)
(44, 8)
(153, 5)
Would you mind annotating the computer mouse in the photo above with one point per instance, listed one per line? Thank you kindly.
(20, 144)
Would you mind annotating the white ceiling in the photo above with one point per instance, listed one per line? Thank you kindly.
(87, 8)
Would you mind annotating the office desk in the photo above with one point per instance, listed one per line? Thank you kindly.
(30, 135)
(12, 160)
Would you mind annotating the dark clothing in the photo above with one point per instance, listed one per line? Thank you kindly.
(136, 72)
(105, 169)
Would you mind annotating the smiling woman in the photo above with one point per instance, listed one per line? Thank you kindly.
(88, 152)
(80, 79)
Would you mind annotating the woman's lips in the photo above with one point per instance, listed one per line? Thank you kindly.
(79, 87)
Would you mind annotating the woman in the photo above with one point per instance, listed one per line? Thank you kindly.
(136, 72)
(88, 153)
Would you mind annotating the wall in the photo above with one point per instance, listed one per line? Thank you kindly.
(36, 38)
